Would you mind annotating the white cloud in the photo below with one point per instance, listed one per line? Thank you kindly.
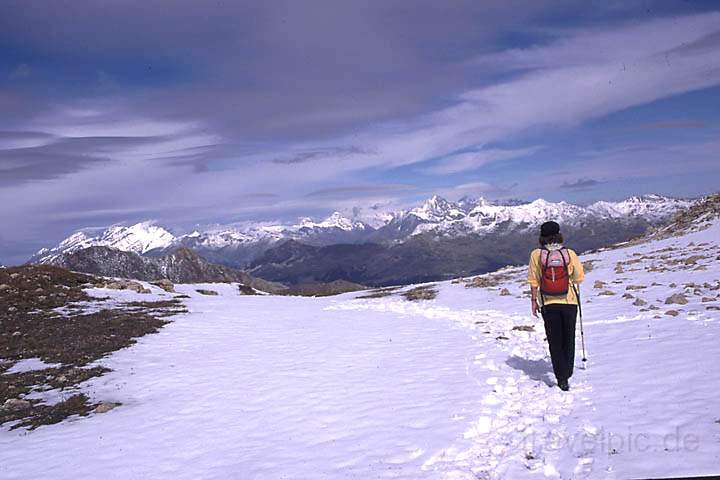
(579, 76)
(472, 160)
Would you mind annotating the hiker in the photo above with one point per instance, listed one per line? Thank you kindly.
(554, 273)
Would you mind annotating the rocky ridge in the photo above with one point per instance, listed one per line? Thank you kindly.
(238, 245)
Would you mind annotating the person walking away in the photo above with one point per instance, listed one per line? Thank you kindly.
(553, 274)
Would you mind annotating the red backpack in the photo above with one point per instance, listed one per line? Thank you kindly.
(555, 279)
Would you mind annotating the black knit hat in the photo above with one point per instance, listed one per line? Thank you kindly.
(549, 228)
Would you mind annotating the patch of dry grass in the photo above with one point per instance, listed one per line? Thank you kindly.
(379, 293)
(31, 328)
(425, 292)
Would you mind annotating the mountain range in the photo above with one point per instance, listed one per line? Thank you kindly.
(435, 240)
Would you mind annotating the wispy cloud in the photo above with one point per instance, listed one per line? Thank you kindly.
(478, 189)
(581, 184)
(471, 160)
(334, 153)
(357, 191)
(347, 100)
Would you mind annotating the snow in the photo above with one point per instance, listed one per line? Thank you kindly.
(652, 207)
(139, 238)
(259, 387)
(445, 217)
(436, 215)
(437, 210)
(334, 221)
(29, 365)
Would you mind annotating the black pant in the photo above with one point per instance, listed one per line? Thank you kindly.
(560, 330)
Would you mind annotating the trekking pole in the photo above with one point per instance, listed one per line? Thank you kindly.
(582, 333)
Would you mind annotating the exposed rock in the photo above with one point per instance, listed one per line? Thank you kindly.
(165, 284)
(206, 292)
(692, 260)
(695, 218)
(105, 407)
(14, 404)
(181, 266)
(314, 289)
(378, 293)
(486, 280)
(504, 292)
(672, 313)
(635, 287)
(425, 292)
(707, 299)
(599, 284)
(73, 338)
(628, 295)
(639, 302)
(607, 292)
(677, 298)
(524, 328)
(126, 285)
(4, 287)
(246, 290)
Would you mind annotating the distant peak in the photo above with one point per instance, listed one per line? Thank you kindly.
(335, 220)
(335, 216)
(437, 200)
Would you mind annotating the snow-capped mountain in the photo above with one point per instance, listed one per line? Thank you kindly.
(651, 207)
(334, 221)
(240, 244)
(139, 238)
(479, 216)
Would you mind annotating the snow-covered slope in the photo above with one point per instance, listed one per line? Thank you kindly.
(238, 244)
(444, 217)
(654, 207)
(377, 386)
(139, 238)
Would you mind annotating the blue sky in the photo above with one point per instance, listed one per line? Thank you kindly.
(190, 113)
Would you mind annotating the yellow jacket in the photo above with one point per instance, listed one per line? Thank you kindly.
(575, 270)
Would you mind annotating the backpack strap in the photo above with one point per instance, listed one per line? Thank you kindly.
(543, 267)
(576, 290)
(565, 263)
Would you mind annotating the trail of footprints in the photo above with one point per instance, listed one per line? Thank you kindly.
(522, 430)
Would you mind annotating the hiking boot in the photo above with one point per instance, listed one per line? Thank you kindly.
(563, 384)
